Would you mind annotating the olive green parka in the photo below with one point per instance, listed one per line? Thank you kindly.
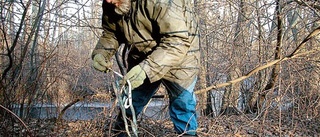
(163, 38)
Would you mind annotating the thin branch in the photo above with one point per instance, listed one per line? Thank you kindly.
(15, 42)
(294, 54)
(303, 3)
(20, 120)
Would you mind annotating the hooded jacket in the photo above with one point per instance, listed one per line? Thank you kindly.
(163, 38)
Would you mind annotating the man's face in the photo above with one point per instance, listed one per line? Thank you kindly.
(115, 2)
(122, 6)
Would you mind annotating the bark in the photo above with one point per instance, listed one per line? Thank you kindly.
(15, 41)
(231, 95)
(204, 100)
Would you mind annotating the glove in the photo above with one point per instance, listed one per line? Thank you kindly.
(99, 63)
(136, 76)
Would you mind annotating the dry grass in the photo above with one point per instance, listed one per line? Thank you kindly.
(233, 125)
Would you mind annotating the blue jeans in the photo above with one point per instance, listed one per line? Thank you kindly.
(182, 109)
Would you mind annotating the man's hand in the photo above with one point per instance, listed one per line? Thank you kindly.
(136, 76)
(99, 63)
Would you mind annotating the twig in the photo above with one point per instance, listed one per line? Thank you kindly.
(112, 110)
(313, 5)
(20, 120)
(294, 54)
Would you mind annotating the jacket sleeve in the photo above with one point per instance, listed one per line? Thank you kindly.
(108, 43)
(171, 19)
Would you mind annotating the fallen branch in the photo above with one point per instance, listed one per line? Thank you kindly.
(82, 92)
(294, 54)
(59, 119)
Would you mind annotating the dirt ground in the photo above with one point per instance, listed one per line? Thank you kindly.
(224, 126)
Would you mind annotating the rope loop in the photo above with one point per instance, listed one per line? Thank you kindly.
(125, 102)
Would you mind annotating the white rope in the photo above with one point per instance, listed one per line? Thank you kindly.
(126, 102)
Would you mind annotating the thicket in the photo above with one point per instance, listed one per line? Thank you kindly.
(259, 58)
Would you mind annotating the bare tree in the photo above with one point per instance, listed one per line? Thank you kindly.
(257, 56)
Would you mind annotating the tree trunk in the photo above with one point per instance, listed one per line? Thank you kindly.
(276, 68)
(231, 96)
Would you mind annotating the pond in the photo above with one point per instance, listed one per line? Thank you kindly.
(90, 110)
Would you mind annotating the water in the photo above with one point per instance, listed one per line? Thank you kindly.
(88, 111)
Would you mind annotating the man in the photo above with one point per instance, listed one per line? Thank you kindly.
(163, 42)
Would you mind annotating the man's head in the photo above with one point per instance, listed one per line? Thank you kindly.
(122, 6)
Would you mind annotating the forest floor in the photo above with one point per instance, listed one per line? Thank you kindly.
(224, 126)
